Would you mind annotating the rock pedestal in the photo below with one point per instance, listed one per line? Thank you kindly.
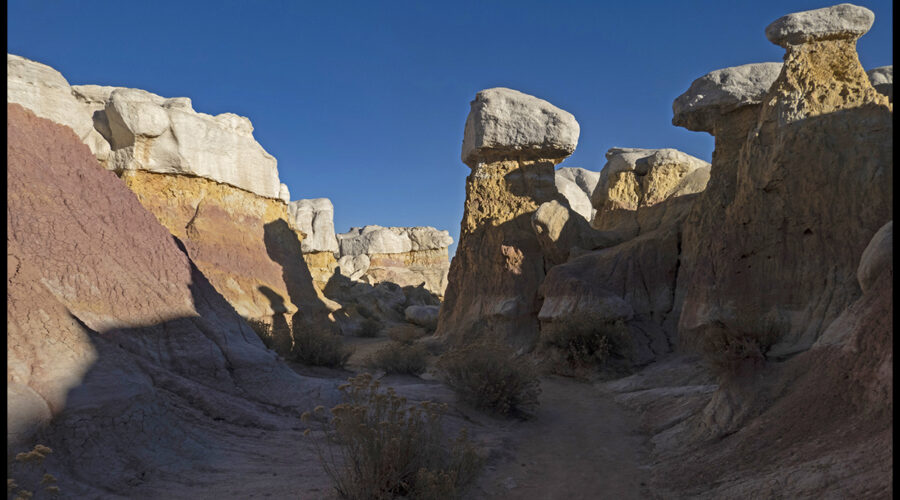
(812, 185)
(512, 142)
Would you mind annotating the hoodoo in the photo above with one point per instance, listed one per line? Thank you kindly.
(512, 141)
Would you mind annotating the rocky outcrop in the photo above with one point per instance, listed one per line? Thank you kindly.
(315, 219)
(155, 134)
(811, 166)
(114, 334)
(641, 202)
(244, 245)
(577, 185)
(512, 142)
(406, 256)
(561, 232)
(883, 80)
(635, 183)
(46, 92)
(211, 184)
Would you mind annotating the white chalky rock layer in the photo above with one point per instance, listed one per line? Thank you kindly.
(505, 123)
(845, 20)
(722, 91)
(577, 185)
(315, 218)
(386, 240)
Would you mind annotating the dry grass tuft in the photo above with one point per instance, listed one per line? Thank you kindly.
(387, 448)
(489, 376)
(405, 333)
(400, 358)
(578, 347)
(318, 348)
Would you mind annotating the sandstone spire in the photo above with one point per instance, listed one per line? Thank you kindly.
(512, 141)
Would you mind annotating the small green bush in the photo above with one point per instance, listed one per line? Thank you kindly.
(400, 358)
(317, 348)
(489, 376)
(387, 448)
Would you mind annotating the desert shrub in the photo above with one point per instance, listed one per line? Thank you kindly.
(370, 327)
(727, 352)
(400, 358)
(405, 333)
(577, 347)
(489, 376)
(30, 463)
(319, 348)
(388, 448)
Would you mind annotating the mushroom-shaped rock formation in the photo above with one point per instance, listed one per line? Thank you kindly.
(882, 79)
(577, 185)
(635, 183)
(512, 142)
(768, 273)
(721, 92)
(843, 21)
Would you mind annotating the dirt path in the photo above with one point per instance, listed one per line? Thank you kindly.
(579, 445)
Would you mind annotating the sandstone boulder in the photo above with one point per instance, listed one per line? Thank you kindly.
(721, 92)
(504, 122)
(883, 80)
(577, 185)
(424, 316)
(843, 21)
(315, 218)
(354, 266)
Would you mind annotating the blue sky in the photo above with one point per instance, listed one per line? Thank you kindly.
(365, 102)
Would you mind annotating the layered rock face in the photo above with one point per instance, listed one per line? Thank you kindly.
(46, 92)
(116, 335)
(512, 141)
(635, 183)
(812, 180)
(315, 219)
(641, 200)
(406, 256)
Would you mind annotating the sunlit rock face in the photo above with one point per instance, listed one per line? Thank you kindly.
(113, 332)
(512, 142)
(405, 256)
(801, 183)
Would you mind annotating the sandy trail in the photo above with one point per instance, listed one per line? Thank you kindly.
(579, 445)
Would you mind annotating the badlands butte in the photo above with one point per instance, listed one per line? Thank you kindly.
(160, 278)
